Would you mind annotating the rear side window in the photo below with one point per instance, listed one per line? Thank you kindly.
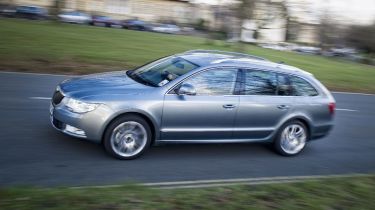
(284, 88)
(301, 87)
(260, 83)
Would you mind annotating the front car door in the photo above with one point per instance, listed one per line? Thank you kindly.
(263, 103)
(208, 115)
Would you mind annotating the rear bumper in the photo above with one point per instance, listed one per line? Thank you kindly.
(320, 131)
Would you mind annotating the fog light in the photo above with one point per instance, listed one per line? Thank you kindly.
(74, 130)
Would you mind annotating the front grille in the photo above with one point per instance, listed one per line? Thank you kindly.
(57, 97)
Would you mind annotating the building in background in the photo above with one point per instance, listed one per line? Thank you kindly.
(268, 23)
(304, 33)
(277, 21)
(150, 10)
(273, 21)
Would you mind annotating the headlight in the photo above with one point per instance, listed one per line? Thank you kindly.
(79, 106)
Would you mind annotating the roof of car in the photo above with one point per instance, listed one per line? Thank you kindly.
(225, 58)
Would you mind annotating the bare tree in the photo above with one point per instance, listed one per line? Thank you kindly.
(362, 37)
(331, 32)
(246, 9)
(57, 7)
(325, 31)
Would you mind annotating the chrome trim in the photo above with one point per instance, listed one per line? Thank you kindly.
(226, 53)
(214, 129)
(214, 141)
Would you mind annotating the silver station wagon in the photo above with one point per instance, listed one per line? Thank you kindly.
(199, 96)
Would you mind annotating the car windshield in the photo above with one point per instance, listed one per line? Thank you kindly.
(162, 71)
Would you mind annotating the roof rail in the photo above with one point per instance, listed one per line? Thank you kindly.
(227, 53)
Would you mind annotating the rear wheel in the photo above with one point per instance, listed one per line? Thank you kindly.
(291, 138)
(127, 137)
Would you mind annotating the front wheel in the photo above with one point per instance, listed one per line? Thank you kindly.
(291, 138)
(127, 137)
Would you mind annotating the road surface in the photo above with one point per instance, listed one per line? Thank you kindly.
(33, 153)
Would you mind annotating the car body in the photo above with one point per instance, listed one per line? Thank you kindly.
(75, 17)
(32, 12)
(307, 50)
(166, 28)
(195, 97)
(8, 11)
(274, 47)
(135, 24)
(98, 20)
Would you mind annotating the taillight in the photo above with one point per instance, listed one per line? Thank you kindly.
(332, 107)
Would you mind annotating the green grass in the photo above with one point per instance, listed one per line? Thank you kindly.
(355, 193)
(74, 49)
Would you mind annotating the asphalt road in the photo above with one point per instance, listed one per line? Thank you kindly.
(33, 153)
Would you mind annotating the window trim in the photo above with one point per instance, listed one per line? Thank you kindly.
(171, 91)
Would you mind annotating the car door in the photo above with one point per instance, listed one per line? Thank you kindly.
(208, 115)
(263, 103)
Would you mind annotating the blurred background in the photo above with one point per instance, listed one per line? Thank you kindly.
(332, 39)
(327, 27)
(334, 31)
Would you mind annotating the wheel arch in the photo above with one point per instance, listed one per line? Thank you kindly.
(303, 120)
(147, 118)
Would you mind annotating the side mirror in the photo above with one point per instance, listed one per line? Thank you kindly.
(186, 89)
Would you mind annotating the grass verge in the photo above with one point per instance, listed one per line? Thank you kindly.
(75, 49)
(357, 192)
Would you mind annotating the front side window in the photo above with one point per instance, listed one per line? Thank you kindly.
(301, 87)
(260, 83)
(214, 82)
(162, 71)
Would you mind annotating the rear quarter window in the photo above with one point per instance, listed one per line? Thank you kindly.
(301, 87)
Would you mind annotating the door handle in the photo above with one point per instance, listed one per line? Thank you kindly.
(283, 106)
(229, 106)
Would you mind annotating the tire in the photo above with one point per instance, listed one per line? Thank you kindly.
(127, 137)
(291, 138)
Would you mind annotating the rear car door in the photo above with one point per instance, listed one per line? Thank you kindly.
(263, 103)
(208, 115)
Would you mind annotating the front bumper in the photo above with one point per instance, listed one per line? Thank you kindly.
(88, 125)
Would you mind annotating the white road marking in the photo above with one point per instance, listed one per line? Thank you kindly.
(40, 98)
(351, 93)
(230, 182)
(347, 110)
